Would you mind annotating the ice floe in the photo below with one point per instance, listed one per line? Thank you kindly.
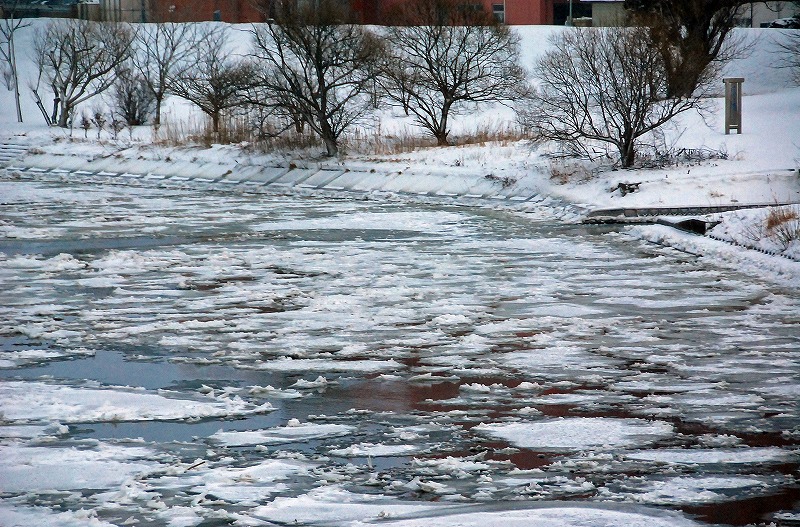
(293, 432)
(35, 402)
(579, 433)
(29, 469)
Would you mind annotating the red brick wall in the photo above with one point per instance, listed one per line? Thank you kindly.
(233, 11)
(517, 12)
(525, 12)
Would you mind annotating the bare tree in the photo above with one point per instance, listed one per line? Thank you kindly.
(446, 53)
(789, 46)
(79, 59)
(210, 77)
(160, 50)
(693, 37)
(133, 102)
(8, 27)
(604, 85)
(315, 67)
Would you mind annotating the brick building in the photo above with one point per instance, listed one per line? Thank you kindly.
(513, 12)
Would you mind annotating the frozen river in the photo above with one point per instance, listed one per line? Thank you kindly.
(187, 358)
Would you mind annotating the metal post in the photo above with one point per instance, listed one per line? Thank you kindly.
(733, 104)
(569, 18)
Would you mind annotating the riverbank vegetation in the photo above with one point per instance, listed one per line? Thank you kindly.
(311, 80)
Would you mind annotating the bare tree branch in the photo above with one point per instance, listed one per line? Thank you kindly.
(693, 37)
(446, 53)
(209, 76)
(316, 68)
(160, 50)
(789, 47)
(78, 59)
(8, 27)
(602, 85)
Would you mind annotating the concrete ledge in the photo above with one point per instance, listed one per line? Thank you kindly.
(649, 214)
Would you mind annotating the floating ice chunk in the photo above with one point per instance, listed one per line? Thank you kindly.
(18, 515)
(26, 469)
(546, 516)
(319, 382)
(430, 377)
(427, 486)
(293, 432)
(12, 359)
(579, 433)
(334, 506)
(398, 221)
(713, 456)
(249, 485)
(455, 465)
(23, 432)
(688, 490)
(102, 281)
(290, 365)
(32, 402)
(60, 262)
(374, 450)
(451, 319)
(276, 393)
(564, 310)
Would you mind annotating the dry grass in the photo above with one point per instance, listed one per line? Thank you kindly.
(781, 215)
(782, 224)
(364, 140)
(565, 171)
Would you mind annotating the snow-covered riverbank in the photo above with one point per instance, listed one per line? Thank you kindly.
(708, 168)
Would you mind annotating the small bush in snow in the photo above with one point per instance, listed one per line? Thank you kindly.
(783, 225)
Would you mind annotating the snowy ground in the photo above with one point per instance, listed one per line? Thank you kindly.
(186, 357)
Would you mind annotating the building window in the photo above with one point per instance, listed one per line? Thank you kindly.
(499, 11)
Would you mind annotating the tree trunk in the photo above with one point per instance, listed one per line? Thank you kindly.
(63, 118)
(215, 122)
(327, 136)
(331, 147)
(14, 75)
(441, 131)
(627, 154)
(157, 117)
(54, 116)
